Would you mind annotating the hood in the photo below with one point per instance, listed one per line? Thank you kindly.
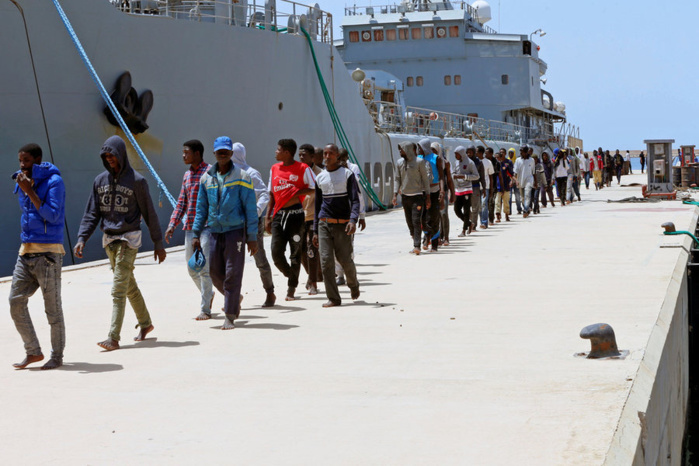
(426, 146)
(409, 150)
(461, 150)
(115, 146)
(40, 172)
(239, 154)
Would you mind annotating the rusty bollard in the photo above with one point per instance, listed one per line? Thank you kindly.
(602, 339)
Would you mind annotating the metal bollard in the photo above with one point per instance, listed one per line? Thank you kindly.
(602, 339)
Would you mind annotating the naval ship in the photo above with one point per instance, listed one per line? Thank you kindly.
(258, 72)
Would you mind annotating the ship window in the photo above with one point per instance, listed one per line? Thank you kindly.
(409, 81)
(453, 31)
(366, 36)
(403, 34)
(441, 32)
(429, 33)
(419, 81)
(378, 35)
(447, 80)
(354, 36)
(416, 33)
(457, 80)
(505, 79)
(390, 34)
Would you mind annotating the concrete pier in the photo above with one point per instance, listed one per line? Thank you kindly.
(465, 356)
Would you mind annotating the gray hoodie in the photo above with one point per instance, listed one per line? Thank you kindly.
(466, 168)
(118, 200)
(411, 173)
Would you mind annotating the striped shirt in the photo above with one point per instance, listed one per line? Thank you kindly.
(187, 202)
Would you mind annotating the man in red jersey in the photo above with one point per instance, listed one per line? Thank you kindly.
(289, 183)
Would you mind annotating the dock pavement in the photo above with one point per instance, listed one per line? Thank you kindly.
(465, 356)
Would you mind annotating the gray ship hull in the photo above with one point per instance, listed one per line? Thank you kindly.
(207, 79)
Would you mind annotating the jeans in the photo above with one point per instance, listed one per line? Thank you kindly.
(586, 176)
(201, 279)
(548, 190)
(484, 208)
(526, 193)
(261, 258)
(618, 174)
(227, 264)
(34, 271)
(430, 221)
(518, 200)
(124, 286)
(334, 243)
(502, 202)
(561, 188)
(444, 220)
(475, 206)
(310, 259)
(491, 207)
(535, 198)
(412, 208)
(288, 227)
(461, 207)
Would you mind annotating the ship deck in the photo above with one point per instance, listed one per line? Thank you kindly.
(465, 356)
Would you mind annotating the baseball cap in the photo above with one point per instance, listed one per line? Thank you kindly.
(223, 142)
(197, 261)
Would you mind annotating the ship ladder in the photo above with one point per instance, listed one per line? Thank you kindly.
(110, 104)
(344, 140)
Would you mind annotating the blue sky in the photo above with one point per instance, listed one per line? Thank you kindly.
(627, 70)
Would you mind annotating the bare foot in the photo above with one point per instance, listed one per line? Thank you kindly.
(289, 298)
(354, 293)
(313, 290)
(53, 363)
(109, 344)
(271, 299)
(330, 304)
(227, 324)
(30, 359)
(290, 294)
(143, 332)
(203, 316)
(415, 251)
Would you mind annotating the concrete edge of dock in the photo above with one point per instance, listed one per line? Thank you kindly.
(652, 424)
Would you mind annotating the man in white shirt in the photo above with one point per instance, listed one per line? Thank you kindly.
(488, 171)
(627, 158)
(524, 174)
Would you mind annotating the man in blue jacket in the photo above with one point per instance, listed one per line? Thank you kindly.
(228, 207)
(118, 200)
(42, 196)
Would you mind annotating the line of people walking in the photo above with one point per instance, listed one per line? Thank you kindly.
(313, 206)
(481, 185)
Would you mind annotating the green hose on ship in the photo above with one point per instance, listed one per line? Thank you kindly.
(344, 140)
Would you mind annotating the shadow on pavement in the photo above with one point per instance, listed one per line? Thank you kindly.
(154, 343)
(88, 368)
(243, 324)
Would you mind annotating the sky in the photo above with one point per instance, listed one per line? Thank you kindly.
(627, 70)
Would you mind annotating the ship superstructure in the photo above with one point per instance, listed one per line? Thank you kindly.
(448, 60)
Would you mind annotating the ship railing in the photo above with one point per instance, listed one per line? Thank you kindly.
(283, 16)
(428, 122)
(388, 116)
(411, 7)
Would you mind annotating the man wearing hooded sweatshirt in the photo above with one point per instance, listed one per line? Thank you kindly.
(239, 158)
(430, 216)
(524, 174)
(413, 184)
(42, 200)
(192, 155)
(227, 206)
(118, 200)
(463, 172)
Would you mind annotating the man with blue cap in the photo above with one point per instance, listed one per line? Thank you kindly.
(227, 207)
